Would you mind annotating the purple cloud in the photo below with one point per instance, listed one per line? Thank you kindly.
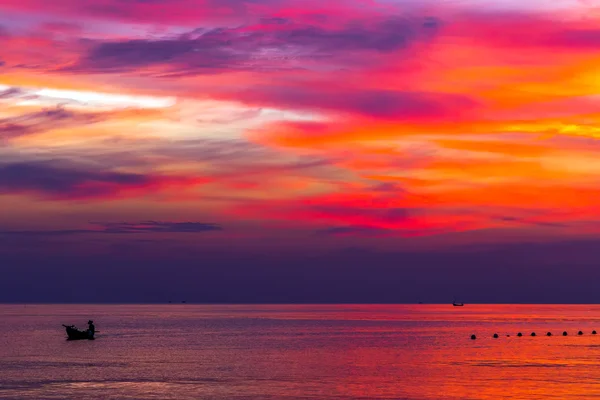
(69, 181)
(40, 121)
(12, 93)
(157, 226)
(386, 104)
(259, 47)
(123, 227)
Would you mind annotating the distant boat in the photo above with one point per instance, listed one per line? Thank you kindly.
(457, 303)
(75, 334)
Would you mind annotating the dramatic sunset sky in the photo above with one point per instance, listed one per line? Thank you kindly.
(283, 150)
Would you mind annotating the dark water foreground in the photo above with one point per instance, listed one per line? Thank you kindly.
(300, 352)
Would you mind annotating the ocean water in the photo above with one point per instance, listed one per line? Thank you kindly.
(300, 352)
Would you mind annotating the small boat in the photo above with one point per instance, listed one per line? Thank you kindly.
(457, 303)
(75, 334)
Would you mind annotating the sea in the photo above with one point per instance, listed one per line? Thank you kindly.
(187, 351)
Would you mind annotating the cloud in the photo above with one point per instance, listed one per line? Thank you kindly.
(62, 181)
(158, 226)
(576, 38)
(123, 228)
(355, 231)
(381, 104)
(62, 27)
(369, 86)
(185, 12)
(15, 92)
(57, 99)
(35, 233)
(58, 180)
(532, 221)
(271, 35)
(244, 115)
(41, 121)
(376, 34)
(255, 47)
(203, 56)
(377, 211)
(340, 211)
(388, 187)
(370, 212)
(179, 12)
(221, 158)
(233, 169)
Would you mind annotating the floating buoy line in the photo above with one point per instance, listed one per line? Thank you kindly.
(496, 336)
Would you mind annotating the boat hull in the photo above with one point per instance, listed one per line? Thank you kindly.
(76, 334)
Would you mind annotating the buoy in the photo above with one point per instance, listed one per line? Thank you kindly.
(580, 333)
(495, 336)
(473, 337)
(519, 334)
(593, 332)
(565, 333)
(549, 334)
(532, 333)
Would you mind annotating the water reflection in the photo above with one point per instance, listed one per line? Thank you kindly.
(317, 352)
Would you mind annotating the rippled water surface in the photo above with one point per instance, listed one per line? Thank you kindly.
(300, 352)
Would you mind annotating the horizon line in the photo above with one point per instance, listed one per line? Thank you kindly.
(279, 303)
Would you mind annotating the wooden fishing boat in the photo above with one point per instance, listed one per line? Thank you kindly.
(75, 334)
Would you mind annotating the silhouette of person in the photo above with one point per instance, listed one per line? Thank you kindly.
(91, 328)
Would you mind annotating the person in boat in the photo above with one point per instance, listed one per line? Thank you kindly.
(91, 328)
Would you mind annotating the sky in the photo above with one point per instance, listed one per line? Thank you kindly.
(299, 151)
